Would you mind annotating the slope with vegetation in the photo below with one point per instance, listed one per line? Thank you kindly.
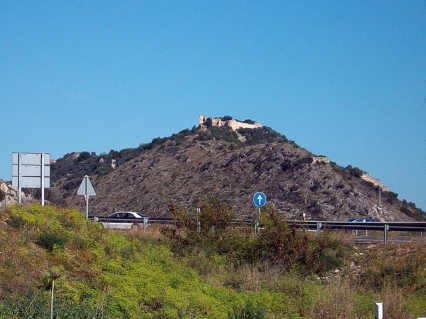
(231, 164)
(198, 270)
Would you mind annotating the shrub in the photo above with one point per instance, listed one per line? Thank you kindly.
(83, 156)
(261, 135)
(49, 241)
(282, 243)
(278, 242)
(203, 228)
(249, 311)
(355, 171)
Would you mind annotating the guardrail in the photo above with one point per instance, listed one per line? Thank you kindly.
(417, 227)
(389, 226)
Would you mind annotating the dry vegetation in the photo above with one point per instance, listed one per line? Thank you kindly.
(208, 272)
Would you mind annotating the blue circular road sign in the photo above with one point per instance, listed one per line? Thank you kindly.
(259, 199)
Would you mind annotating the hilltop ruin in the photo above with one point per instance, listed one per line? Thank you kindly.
(206, 121)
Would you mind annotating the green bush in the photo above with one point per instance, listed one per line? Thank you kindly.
(249, 311)
(262, 135)
(49, 241)
(354, 171)
(205, 228)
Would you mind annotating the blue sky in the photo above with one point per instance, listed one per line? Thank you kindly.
(345, 79)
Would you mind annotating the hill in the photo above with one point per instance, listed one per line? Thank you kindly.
(233, 162)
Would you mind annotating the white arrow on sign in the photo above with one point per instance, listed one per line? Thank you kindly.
(259, 199)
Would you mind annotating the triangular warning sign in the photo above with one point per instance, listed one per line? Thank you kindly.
(86, 187)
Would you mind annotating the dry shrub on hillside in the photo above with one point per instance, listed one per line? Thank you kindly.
(401, 265)
(394, 302)
(20, 261)
(150, 233)
(336, 301)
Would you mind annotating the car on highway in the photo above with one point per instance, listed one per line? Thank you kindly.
(127, 215)
(362, 220)
(123, 220)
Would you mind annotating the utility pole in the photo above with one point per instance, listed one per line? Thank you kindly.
(380, 192)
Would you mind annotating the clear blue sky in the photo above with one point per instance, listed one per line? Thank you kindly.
(345, 79)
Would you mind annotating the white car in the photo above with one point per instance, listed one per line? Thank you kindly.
(123, 220)
(127, 215)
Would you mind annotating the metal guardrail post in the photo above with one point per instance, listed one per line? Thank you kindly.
(319, 226)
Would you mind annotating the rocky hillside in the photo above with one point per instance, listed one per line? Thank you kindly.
(9, 195)
(233, 165)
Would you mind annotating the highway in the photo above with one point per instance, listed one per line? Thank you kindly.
(391, 231)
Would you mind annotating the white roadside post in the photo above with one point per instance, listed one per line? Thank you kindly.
(378, 310)
(366, 231)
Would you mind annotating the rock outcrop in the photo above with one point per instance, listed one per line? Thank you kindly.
(9, 194)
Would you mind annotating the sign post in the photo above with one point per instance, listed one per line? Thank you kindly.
(259, 199)
(86, 189)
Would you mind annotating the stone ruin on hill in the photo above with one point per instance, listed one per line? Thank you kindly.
(206, 121)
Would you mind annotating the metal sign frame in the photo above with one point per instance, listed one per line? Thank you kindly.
(31, 170)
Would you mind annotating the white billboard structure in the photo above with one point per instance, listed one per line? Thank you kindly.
(31, 170)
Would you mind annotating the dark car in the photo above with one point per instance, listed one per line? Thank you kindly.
(361, 220)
